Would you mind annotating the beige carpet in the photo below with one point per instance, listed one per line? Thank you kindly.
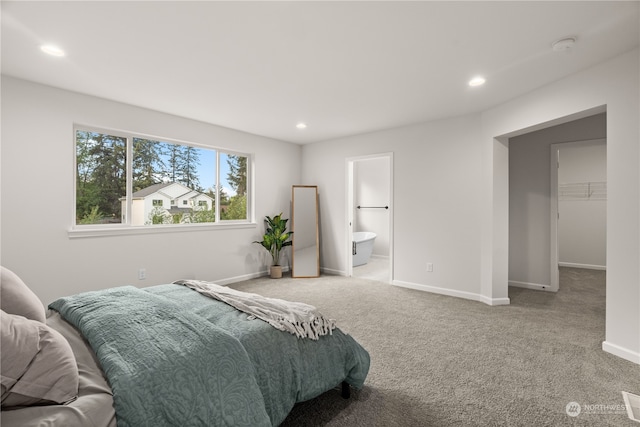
(443, 361)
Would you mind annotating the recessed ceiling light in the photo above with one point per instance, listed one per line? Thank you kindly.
(477, 81)
(564, 44)
(52, 50)
(301, 125)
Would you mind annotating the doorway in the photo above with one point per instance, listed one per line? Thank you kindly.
(533, 234)
(370, 217)
(578, 206)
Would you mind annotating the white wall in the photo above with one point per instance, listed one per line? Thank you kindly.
(529, 197)
(371, 188)
(614, 84)
(436, 197)
(451, 193)
(37, 198)
(582, 226)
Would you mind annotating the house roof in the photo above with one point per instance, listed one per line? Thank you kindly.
(150, 190)
(196, 194)
(156, 188)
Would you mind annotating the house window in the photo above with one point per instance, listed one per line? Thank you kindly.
(117, 172)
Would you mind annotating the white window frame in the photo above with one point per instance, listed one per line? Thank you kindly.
(125, 228)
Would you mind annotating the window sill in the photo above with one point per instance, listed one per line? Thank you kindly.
(88, 231)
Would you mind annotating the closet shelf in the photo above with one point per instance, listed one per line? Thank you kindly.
(576, 191)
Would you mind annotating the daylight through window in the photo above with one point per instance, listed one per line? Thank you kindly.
(170, 183)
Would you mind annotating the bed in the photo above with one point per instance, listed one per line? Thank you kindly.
(163, 355)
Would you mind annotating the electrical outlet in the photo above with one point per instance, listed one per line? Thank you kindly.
(142, 274)
(430, 267)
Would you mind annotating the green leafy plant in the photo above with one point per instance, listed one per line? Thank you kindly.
(203, 215)
(159, 216)
(275, 237)
(93, 217)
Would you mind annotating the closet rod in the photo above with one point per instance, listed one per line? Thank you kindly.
(373, 207)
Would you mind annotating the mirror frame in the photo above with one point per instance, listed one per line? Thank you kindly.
(314, 230)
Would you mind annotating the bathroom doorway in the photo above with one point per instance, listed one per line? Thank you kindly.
(370, 217)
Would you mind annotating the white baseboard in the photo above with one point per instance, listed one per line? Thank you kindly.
(622, 352)
(261, 273)
(229, 280)
(332, 271)
(495, 301)
(587, 266)
(452, 293)
(534, 286)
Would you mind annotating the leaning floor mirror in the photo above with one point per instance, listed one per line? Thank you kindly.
(305, 248)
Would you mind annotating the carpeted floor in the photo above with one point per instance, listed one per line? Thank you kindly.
(443, 361)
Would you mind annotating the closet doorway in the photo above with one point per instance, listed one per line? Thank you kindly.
(370, 217)
(578, 206)
(533, 199)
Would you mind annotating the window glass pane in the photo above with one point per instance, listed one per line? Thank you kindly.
(233, 188)
(101, 178)
(171, 183)
(181, 176)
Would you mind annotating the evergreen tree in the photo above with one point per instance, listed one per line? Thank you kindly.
(174, 162)
(100, 175)
(189, 167)
(224, 197)
(237, 175)
(182, 165)
(147, 163)
(109, 174)
(86, 195)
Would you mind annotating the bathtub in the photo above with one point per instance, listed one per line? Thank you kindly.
(362, 247)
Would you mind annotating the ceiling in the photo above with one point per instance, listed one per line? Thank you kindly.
(343, 68)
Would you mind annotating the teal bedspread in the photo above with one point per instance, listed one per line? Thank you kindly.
(175, 357)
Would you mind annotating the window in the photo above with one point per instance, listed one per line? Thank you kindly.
(124, 178)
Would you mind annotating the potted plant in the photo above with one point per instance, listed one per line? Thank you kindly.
(275, 238)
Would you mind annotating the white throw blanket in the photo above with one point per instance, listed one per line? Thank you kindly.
(299, 319)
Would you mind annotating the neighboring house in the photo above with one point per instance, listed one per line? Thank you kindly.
(172, 197)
